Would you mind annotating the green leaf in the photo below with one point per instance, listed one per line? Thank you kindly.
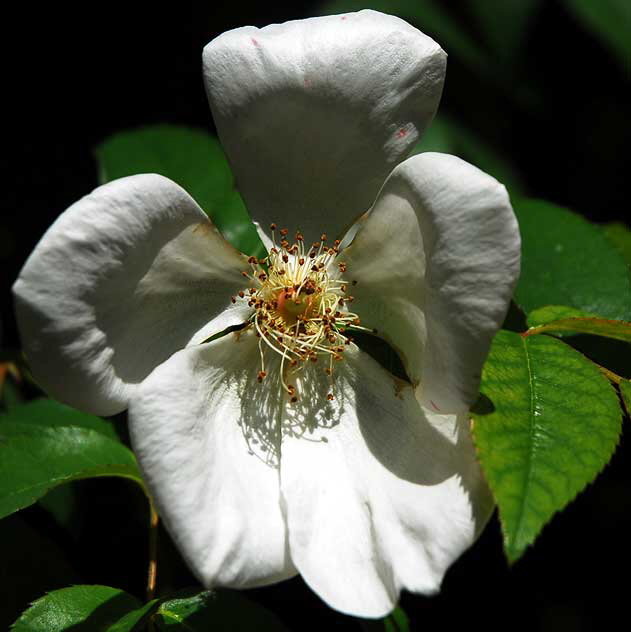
(51, 413)
(551, 424)
(550, 313)
(220, 611)
(620, 236)
(193, 159)
(39, 452)
(566, 260)
(396, 621)
(616, 329)
(609, 20)
(61, 502)
(625, 391)
(85, 609)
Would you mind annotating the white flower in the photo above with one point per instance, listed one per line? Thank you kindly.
(363, 484)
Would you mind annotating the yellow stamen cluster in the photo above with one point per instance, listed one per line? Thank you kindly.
(300, 305)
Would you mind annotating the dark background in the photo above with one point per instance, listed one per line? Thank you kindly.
(559, 114)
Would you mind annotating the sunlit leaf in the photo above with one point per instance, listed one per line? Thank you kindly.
(568, 261)
(51, 413)
(547, 423)
(193, 159)
(550, 313)
(616, 329)
(40, 450)
(221, 611)
(85, 609)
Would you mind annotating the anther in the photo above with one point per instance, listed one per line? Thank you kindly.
(272, 226)
(283, 232)
(262, 375)
(330, 397)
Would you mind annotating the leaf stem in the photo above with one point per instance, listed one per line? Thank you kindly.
(153, 552)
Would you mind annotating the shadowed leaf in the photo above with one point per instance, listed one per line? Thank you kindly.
(194, 160)
(568, 261)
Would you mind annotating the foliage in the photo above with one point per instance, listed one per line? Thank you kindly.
(548, 419)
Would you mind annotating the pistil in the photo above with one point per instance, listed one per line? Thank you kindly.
(300, 305)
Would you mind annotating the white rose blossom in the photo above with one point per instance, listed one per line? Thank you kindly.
(282, 448)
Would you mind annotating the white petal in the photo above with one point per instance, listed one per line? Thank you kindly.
(125, 277)
(387, 498)
(315, 113)
(436, 263)
(202, 429)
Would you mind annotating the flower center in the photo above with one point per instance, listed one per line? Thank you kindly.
(300, 305)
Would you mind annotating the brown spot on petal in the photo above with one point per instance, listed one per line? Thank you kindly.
(203, 228)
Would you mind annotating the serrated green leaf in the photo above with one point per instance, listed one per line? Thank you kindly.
(85, 609)
(616, 329)
(625, 391)
(220, 611)
(551, 424)
(566, 260)
(609, 20)
(39, 452)
(620, 236)
(193, 159)
(550, 313)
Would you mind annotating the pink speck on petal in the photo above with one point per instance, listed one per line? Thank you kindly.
(434, 405)
(254, 41)
(402, 133)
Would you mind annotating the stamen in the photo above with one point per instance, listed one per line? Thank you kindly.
(300, 311)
